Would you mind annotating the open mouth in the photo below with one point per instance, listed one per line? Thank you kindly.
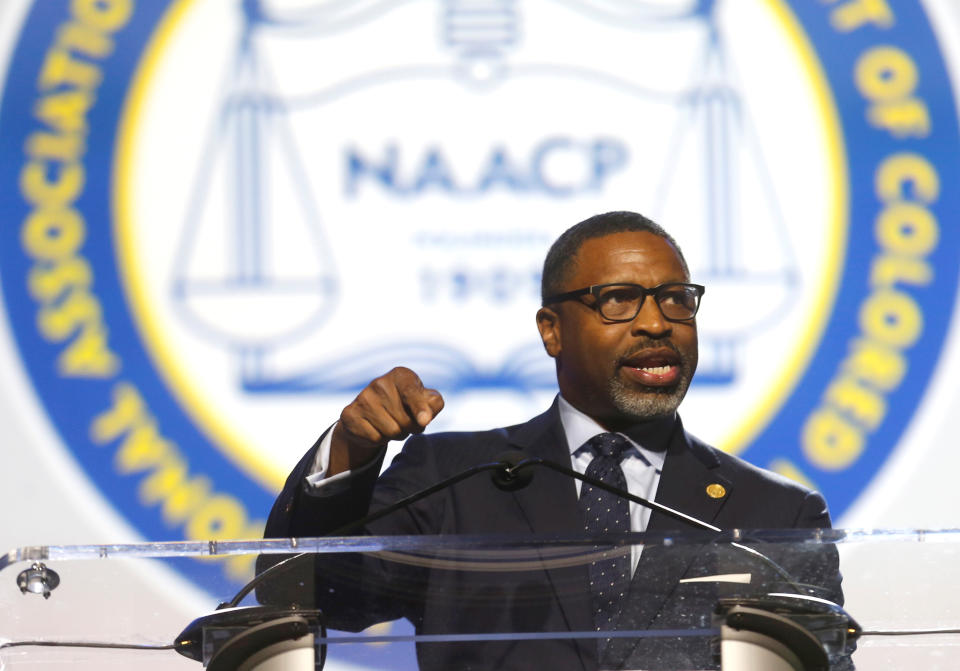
(653, 367)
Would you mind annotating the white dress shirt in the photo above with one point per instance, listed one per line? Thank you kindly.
(641, 466)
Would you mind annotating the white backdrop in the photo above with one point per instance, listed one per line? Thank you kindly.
(50, 498)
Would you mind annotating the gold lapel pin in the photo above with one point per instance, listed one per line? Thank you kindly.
(716, 491)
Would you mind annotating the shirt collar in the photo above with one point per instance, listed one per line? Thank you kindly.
(649, 438)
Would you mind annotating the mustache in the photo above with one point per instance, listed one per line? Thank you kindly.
(648, 343)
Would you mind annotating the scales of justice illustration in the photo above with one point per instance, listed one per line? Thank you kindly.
(255, 283)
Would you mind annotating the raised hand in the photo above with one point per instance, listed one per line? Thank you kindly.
(391, 407)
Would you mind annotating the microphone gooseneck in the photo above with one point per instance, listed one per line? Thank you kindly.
(517, 463)
(512, 470)
(511, 482)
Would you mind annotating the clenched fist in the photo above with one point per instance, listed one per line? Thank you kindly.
(390, 408)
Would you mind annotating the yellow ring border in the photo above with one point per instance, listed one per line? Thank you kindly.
(777, 393)
(231, 443)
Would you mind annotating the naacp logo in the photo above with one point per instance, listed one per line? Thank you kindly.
(205, 257)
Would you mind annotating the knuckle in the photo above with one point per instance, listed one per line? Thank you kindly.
(401, 373)
(380, 385)
(350, 423)
(406, 377)
(349, 413)
(359, 407)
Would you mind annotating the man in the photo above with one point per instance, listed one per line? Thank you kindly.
(618, 318)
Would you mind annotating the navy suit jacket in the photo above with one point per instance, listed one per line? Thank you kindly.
(553, 599)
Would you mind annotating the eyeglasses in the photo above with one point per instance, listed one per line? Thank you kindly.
(678, 301)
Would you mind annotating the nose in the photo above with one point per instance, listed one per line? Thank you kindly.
(650, 321)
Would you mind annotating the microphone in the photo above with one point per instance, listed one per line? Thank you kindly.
(509, 477)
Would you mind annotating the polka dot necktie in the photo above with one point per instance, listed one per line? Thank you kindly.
(605, 513)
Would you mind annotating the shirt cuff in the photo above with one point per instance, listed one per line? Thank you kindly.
(317, 483)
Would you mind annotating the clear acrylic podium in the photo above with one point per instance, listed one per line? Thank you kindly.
(134, 606)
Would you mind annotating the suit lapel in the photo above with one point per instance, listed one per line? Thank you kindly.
(689, 469)
(549, 505)
(689, 483)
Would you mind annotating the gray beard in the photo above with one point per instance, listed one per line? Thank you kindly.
(652, 402)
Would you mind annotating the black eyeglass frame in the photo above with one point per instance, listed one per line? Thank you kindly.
(595, 290)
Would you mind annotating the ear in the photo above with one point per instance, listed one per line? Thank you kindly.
(548, 323)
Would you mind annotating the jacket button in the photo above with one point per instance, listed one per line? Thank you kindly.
(716, 491)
